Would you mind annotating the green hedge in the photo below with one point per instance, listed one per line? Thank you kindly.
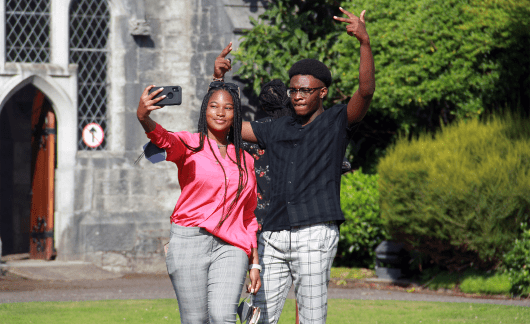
(490, 284)
(363, 229)
(470, 281)
(459, 196)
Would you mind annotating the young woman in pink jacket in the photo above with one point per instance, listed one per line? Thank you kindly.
(213, 227)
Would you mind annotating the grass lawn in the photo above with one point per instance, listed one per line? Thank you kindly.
(351, 273)
(340, 311)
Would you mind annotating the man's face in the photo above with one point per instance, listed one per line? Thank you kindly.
(306, 104)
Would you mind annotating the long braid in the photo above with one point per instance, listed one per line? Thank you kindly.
(237, 140)
(234, 137)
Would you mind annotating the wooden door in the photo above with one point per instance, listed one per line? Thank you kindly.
(43, 174)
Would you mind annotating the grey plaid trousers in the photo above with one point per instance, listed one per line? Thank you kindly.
(303, 255)
(207, 275)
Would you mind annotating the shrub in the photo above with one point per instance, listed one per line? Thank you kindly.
(362, 231)
(457, 196)
(517, 263)
(495, 284)
(435, 279)
(470, 282)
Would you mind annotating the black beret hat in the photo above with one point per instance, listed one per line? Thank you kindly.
(311, 67)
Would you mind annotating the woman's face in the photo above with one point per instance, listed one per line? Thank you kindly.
(220, 112)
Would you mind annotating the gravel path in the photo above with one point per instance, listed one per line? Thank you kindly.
(14, 288)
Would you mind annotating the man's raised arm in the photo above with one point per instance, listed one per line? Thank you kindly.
(360, 101)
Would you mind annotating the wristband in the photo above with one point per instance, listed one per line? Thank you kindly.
(218, 79)
(254, 266)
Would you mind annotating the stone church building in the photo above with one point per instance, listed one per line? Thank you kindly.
(71, 75)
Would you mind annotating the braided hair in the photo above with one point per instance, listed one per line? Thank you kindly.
(234, 137)
(273, 99)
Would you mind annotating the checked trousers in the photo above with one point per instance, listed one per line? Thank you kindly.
(302, 256)
(207, 275)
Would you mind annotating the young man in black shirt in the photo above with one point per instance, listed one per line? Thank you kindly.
(300, 232)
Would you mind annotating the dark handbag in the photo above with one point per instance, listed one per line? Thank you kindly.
(248, 313)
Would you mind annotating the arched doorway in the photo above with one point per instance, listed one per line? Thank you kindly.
(27, 172)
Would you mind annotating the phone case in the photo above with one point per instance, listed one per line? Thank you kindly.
(173, 95)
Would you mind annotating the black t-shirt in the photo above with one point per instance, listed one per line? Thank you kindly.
(306, 167)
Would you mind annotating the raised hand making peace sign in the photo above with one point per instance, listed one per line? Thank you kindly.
(222, 64)
(356, 26)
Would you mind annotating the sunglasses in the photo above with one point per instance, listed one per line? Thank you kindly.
(224, 85)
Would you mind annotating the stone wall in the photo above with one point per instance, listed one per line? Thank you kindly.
(109, 210)
(122, 209)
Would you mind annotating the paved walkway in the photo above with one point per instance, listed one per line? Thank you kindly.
(31, 280)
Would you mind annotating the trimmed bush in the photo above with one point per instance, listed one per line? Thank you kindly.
(435, 279)
(459, 196)
(496, 284)
(517, 263)
(469, 282)
(363, 229)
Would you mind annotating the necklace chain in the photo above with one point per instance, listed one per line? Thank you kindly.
(220, 145)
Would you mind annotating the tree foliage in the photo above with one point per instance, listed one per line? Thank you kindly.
(435, 60)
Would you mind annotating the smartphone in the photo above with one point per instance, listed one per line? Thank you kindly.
(173, 95)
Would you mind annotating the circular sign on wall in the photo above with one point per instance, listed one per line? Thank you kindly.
(93, 135)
